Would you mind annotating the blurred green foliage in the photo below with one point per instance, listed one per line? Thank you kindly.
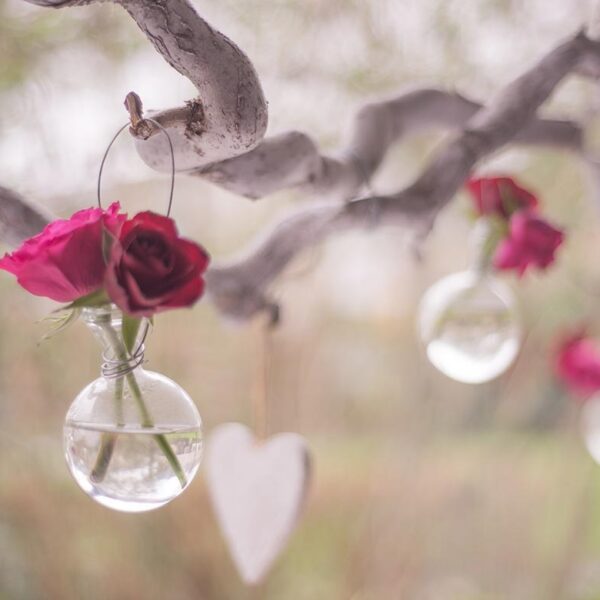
(29, 37)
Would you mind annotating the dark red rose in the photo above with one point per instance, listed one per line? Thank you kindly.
(151, 269)
(531, 242)
(500, 196)
(65, 261)
(578, 365)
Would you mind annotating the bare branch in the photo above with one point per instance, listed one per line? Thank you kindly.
(240, 289)
(218, 137)
(292, 159)
(18, 219)
(229, 116)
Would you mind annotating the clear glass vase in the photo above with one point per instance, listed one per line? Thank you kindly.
(132, 438)
(469, 321)
(469, 325)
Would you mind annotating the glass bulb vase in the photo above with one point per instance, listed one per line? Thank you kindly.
(590, 426)
(469, 326)
(132, 438)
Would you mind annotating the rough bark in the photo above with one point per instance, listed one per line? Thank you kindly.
(218, 137)
(229, 116)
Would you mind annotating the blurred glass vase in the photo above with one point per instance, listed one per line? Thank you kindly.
(590, 426)
(469, 326)
(132, 438)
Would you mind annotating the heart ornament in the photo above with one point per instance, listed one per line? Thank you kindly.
(258, 489)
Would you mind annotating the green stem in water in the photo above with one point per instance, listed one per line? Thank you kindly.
(161, 440)
(108, 441)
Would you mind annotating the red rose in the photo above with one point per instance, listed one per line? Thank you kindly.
(152, 269)
(531, 241)
(65, 261)
(500, 196)
(578, 365)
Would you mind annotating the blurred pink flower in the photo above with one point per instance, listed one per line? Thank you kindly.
(500, 196)
(531, 242)
(577, 364)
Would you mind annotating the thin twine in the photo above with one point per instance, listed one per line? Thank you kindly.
(163, 130)
(363, 171)
(367, 184)
(262, 396)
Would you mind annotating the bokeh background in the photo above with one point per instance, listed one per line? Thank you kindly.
(424, 488)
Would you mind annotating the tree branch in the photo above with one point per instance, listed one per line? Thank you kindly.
(229, 116)
(218, 135)
(292, 159)
(18, 219)
(240, 289)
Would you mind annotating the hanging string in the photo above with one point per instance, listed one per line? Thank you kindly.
(261, 396)
(364, 173)
(114, 139)
(373, 207)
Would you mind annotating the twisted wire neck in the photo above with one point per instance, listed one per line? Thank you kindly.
(114, 368)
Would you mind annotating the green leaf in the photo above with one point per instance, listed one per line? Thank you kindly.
(60, 321)
(130, 328)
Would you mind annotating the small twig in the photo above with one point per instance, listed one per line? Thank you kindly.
(140, 127)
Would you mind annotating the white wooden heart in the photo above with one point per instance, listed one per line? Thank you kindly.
(257, 489)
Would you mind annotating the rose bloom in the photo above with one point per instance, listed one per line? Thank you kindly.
(500, 196)
(152, 269)
(531, 242)
(577, 364)
(65, 261)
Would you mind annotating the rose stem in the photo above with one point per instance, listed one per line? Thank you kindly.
(107, 444)
(108, 441)
(161, 440)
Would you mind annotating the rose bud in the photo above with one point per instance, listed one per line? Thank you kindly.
(151, 269)
(65, 261)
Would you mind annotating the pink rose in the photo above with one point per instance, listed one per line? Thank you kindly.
(152, 269)
(531, 241)
(578, 365)
(65, 261)
(500, 196)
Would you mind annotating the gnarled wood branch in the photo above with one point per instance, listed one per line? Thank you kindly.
(229, 116)
(218, 137)
(18, 219)
(240, 289)
(293, 160)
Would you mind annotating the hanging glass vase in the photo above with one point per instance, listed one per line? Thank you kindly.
(468, 321)
(132, 438)
(590, 426)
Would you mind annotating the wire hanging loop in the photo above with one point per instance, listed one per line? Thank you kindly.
(114, 139)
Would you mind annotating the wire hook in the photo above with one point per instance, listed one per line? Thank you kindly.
(163, 130)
